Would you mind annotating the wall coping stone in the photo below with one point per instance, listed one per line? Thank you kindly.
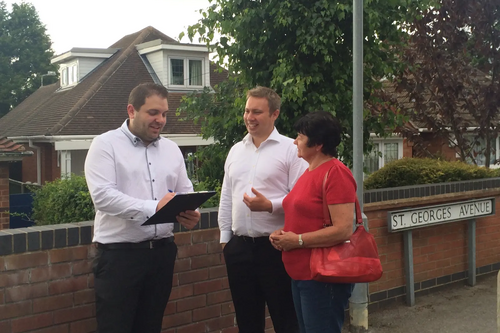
(46, 237)
(430, 200)
(428, 190)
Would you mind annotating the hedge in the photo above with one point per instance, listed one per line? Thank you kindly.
(63, 201)
(418, 171)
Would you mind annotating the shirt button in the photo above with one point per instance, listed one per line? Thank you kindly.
(149, 163)
(132, 218)
(153, 180)
(156, 199)
(147, 217)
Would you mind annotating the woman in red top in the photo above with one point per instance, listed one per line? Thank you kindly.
(320, 306)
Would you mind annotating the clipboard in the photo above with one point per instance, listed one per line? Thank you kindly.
(179, 203)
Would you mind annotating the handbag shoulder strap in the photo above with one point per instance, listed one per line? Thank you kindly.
(327, 222)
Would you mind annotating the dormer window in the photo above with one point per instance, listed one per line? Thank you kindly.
(179, 67)
(69, 74)
(75, 64)
(186, 72)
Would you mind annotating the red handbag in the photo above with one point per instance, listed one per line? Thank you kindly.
(354, 261)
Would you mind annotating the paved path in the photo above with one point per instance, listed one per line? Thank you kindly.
(455, 309)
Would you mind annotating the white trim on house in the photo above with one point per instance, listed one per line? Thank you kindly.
(156, 45)
(77, 52)
(82, 142)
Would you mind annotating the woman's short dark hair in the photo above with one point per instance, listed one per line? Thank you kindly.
(321, 128)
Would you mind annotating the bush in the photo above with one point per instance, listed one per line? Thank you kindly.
(68, 200)
(63, 201)
(418, 171)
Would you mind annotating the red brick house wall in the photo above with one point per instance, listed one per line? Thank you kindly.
(438, 146)
(4, 196)
(407, 148)
(29, 166)
(49, 161)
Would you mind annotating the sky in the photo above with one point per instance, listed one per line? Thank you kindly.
(100, 23)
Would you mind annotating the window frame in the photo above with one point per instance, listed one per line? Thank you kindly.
(380, 142)
(496, 154)
(186, 61)
(69, 74)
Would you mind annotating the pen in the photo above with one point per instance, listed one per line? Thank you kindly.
(170, 191)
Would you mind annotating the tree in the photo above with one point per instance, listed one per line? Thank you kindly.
(25, 52)
(219, 113)
(451, 85)
(303, 50)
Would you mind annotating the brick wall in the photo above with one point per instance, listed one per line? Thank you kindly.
(4, 196)
(50, 168)
(407, 148)
(46, 281)
(436, 145)
(49, 288)
(29, 166)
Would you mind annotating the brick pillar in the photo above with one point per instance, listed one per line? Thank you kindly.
(4, 195)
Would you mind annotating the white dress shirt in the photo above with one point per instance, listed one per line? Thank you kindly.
(127, 179)
(272, 169)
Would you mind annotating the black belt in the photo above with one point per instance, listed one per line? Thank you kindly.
(255, 239)
(149, 244)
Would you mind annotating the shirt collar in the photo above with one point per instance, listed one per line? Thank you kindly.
(135, 139)
(274, 136)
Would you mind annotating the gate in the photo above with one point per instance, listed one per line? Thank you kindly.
(20, 202)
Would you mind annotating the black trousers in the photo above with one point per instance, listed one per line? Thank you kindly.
(132, 287)
(257, 276)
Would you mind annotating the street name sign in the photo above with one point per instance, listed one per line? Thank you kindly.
(412, 218)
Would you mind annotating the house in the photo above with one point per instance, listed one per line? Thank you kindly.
(58, 122)
(429, 134)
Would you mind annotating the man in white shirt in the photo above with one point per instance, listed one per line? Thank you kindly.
(259, 172)
(132, 172)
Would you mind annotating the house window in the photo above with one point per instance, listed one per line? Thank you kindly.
(69, 75)
(186, 72)
(64, 77)
(479, 149)
(177, 72)
(376, 159)
(195, 73)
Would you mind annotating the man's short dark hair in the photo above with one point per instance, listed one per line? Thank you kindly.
(139, 94)
(321, 128)
(273, 99)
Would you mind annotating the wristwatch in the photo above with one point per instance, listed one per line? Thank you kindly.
(301, 242)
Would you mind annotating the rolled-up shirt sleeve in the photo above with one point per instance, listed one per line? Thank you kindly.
(100, 173)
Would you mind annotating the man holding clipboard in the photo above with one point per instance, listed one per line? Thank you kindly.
(129, 172)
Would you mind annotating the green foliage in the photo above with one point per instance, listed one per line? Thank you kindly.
(209, 185)
(220, 115)
(303, 50)
(25, 52)
(63, 201)
(419, 171)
